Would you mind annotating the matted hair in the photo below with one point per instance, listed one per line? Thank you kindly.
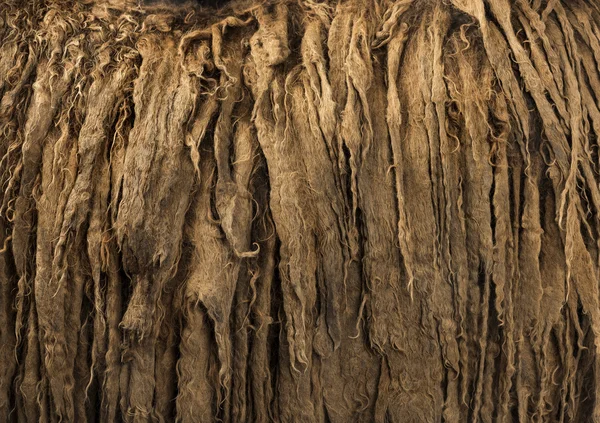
(300, 210)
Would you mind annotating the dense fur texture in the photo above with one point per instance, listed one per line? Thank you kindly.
(300, 211)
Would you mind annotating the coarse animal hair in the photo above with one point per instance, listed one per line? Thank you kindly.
(300, 211)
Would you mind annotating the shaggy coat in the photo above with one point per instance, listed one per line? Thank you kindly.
(300, 211)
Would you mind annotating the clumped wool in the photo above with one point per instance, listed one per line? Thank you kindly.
(300, 211)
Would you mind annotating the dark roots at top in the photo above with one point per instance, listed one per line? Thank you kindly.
(300, 211)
